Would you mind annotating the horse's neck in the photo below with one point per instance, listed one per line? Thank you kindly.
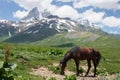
(66, 59)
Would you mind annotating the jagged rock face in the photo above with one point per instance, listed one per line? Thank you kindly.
(32, 28)
(32, 15)
(45, 13)
(34, 33)
(6, 29)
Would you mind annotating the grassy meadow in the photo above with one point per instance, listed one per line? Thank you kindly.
(51, 50)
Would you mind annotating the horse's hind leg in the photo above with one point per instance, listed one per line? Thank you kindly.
(77, 66)
(95, 65)
(89, 66)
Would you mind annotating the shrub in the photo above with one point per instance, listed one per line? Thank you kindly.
(7, 69)
(52, 78)
(117, 76)
(54, 52)
(81, 70)
(72, 77)
(55, 69)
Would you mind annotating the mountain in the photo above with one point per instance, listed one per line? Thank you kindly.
(11, 28)
(32, 15)
(7, 28)
(33, 28)
(45, 13)
(44, 28)
(48, 27)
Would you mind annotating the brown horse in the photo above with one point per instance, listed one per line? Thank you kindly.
(77, 54)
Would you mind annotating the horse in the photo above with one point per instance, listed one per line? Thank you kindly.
(80, 53)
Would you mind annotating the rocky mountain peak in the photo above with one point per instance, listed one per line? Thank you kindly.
(45, 13)
(32, 15)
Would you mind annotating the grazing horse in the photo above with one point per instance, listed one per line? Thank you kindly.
(79, 53)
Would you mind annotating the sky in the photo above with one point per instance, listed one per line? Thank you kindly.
(105, 13)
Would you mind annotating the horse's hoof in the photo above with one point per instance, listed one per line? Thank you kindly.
(62, 73)
(77, 74)
(94, 75)
(85, 76)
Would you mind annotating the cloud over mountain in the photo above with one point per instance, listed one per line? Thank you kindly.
(111, 4)
(95, 11)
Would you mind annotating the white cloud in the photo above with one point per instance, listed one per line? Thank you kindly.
(104, 4)
(67, 11)
(95, 17)
(111, 21)
(114, 32)
(41, 4)
(20, 14)
(63, 11)
(29, 4)
(66, 0)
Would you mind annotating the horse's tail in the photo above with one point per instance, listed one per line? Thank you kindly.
(103, 58)
(98, 57)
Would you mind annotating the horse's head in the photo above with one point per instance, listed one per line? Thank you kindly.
(63, 62)
(62, 67)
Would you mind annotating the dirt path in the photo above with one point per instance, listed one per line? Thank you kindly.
(48, 74)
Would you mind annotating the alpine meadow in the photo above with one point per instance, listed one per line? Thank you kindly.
(32, 47)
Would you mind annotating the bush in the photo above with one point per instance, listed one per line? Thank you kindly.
(72, 77)
(6, 69)
(55, 69)
(117, 76)
(54, 52)
(81, 70)
(52, 78)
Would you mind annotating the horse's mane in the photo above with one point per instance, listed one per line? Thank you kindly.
(71, 51)
(68, 53)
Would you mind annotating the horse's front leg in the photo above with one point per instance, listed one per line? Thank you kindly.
(77, 66)
(89, 66)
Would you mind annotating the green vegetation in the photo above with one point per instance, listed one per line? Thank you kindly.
(51, 50)
(7, 69)
(72, 77)
(55, 69)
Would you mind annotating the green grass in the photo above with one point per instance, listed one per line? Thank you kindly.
(42, 54)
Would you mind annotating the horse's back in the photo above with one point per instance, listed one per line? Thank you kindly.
(86, 53)
(86, 50)
(82, 53)
(74, 50)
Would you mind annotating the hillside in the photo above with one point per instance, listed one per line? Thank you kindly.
(41, 55)
(80, 38)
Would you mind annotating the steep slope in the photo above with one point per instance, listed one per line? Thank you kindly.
(33, 33)
(6, 29)
(44, 28)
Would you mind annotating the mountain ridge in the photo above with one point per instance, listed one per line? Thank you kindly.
(31, 28)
